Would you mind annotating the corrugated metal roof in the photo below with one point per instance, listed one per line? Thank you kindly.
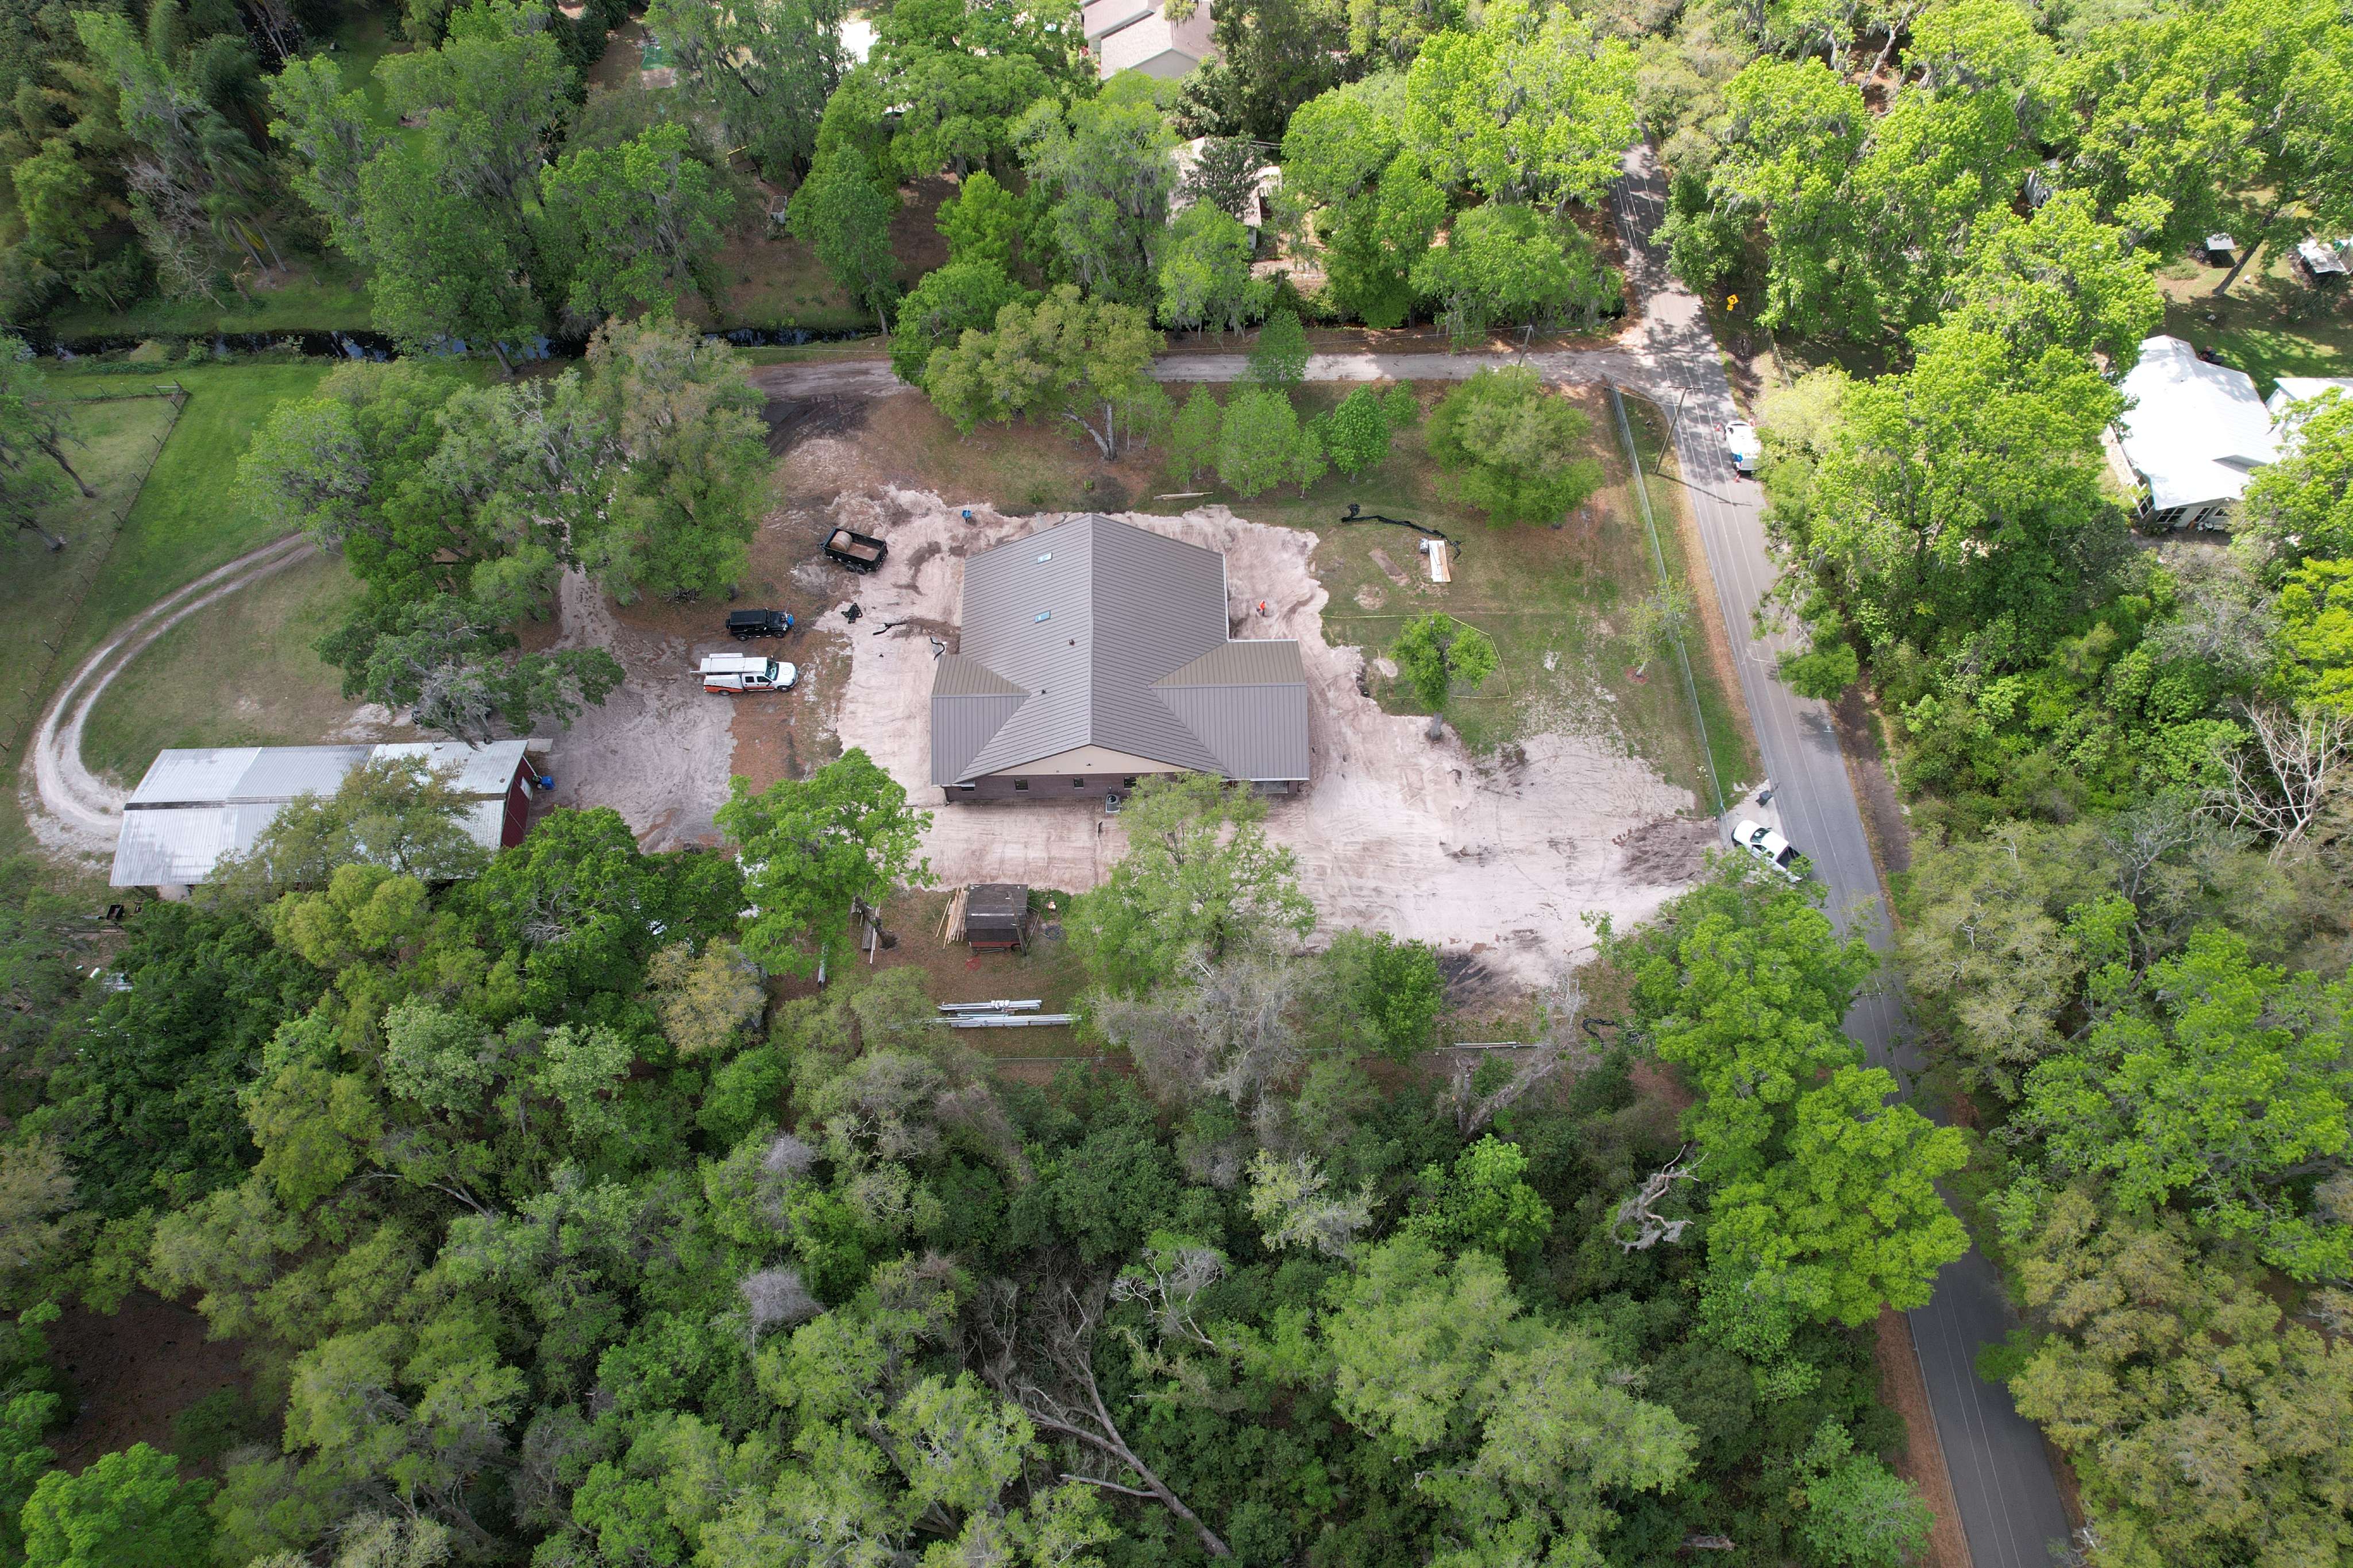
(1081, 623)
(958, 675)
(1248, 662)
(1257, 733)
(183, 844)
(195, 806)
(485, 769)
(961, 726)
(244, 773)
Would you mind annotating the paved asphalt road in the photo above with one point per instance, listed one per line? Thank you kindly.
(2000, 1473)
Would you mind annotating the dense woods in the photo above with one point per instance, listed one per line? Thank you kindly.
(562, 1218)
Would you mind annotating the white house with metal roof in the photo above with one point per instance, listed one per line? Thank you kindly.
(2291, 390)
(1095, 653)
(2194, 433)
(196, 806)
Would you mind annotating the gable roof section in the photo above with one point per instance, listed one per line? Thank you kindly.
(970, 703)
(1072, 638)
(1247, 702)
(2197, 432)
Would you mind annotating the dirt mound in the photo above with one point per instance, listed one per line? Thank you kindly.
(1670, 852)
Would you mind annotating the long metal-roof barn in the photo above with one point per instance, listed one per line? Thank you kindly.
(196, 806)
(1095, 653)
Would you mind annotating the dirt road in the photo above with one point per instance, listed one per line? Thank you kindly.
(1630, 365)
(71, 810)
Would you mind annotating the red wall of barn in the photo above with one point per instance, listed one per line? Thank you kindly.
(518, 819)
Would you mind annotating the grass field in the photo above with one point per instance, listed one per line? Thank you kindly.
(1553, 598)
(2271, 324)
(112, 442)
(190, 518)
(238, 673)
(186, 521)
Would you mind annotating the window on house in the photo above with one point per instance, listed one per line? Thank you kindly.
(1078, 783)
(1128, 783)
(1020, 783)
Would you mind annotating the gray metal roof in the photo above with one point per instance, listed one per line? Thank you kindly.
(1100, 633)
(1247, 702)
(195, 806)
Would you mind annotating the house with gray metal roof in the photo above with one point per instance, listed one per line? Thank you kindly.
(1095, 653)
(196, 806)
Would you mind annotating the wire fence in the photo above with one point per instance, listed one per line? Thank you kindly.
(25, 701)
(1659, 560)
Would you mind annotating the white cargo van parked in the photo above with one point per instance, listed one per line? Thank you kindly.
(736, 673)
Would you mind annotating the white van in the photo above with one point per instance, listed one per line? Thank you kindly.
(1747, 448)
(736, 673)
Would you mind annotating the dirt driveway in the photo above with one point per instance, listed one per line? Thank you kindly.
(1496, 857)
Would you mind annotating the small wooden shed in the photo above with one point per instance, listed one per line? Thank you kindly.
(993, 914)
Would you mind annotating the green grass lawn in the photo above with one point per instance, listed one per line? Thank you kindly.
(110, 447)
(323, 293)
(1552, 598)
(238, 673)
(2271, 324)
(186, 521)
(190, 518)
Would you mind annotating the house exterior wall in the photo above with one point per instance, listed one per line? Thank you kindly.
(1051, 787)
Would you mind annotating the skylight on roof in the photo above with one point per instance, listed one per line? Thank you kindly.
(1045, 556)
(1043, 616)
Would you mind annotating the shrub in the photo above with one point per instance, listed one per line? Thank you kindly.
(1257, 441)
(1512, 446)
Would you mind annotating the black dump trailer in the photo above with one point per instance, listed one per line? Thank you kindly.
(859, 552)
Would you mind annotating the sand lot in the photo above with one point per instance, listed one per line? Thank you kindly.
(657, 750)
(1495, 857)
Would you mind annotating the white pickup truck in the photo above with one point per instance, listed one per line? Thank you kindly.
(736, 673)
(1770, 847)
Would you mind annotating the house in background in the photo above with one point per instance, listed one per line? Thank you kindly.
(2195, 434)
(196, 806)
(1255, 215)
(1136, 35)
(1095, 653)
(2291, 390)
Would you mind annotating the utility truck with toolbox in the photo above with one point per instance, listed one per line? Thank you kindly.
(735, 674)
